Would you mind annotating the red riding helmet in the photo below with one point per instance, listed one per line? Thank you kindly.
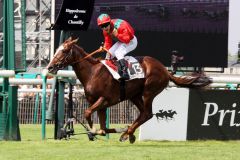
(103, 18)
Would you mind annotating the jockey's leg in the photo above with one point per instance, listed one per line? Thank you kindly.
(112, 51)
(123, 69)
(120, 52)
(122, 48)
(131, 45)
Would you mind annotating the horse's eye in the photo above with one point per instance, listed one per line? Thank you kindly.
(59, 65)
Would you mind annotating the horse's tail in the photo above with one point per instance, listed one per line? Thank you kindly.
(191, 81)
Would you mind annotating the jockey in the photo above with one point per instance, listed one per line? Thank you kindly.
(121, 32)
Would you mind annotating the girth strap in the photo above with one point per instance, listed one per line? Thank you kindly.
(122, 90)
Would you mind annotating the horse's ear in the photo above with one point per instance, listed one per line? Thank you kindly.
(68, 40)
(68, 45)
(74, 41)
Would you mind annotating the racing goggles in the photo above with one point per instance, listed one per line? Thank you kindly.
(105, 25)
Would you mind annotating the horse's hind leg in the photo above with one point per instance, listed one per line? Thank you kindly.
(138, 101)
(145, 109)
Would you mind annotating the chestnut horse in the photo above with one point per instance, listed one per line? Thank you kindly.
(103, 91)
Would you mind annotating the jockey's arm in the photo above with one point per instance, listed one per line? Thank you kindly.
(107, 41)
(124, 36)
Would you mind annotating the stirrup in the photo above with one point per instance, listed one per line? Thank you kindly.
(123, 69)
(124, 75)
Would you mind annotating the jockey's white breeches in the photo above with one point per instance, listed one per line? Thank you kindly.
(119, 49)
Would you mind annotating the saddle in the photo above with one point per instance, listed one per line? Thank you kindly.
(134, 68)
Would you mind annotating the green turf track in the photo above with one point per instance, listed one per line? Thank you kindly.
(79, 148)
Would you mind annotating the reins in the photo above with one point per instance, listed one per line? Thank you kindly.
(91, 54)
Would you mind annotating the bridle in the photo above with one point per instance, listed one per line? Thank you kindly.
(91, 54)
(84, 58)
(61, 63)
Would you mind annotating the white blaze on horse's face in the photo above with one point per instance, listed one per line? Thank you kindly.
(58, 61)
(60, 49)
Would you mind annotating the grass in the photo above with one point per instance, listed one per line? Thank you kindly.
(79, 148)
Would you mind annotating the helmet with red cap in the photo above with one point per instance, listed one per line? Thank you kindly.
(103, 18)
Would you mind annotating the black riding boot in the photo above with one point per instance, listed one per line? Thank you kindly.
(123, 69)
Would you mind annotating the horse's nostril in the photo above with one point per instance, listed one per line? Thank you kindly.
(50, 68)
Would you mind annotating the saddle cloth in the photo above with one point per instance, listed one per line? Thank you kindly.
(134, 68)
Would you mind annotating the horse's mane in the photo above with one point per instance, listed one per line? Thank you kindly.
(90, 59)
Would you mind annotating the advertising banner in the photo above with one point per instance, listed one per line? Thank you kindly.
(214, 114)
(169, 122)
(74, 15)
(234, 34)
(197, 30)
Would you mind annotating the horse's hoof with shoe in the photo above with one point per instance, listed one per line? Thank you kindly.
(123, 137)
(101, 132)
(91, 136)
(132, 138)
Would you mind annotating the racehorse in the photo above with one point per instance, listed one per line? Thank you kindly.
(103, 91)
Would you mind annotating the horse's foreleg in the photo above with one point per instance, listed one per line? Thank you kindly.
(91, 109)
(102, 120)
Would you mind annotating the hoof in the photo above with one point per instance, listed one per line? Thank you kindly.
(62, 133)
(132, 138)
(123, 138)
(93, 130)
(101, 132)
(91, 136)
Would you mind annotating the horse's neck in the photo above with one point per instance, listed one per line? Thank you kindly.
(81, 54)
(84, 68)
